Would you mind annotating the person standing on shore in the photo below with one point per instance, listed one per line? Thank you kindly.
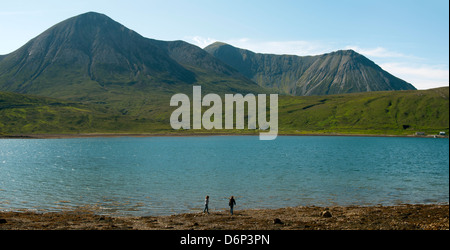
(206, 205)
(231, 203)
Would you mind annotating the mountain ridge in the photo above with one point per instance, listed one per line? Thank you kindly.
(343, 71)
(91, 56)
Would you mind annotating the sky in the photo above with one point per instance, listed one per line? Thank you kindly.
(407, 38)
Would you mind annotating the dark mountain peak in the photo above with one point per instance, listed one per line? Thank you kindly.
(92, 15)
(91, 19)
(89, 33)
(220, 47)
(347, 52)
(91, 26)
(225, 49)
(344, 53)
(217, 44)
(88, 21)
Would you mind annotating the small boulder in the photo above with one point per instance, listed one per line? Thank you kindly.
(326, 214)
(2, 221)
(277, 221)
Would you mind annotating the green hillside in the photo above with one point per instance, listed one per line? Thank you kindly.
(389, 112)
(26, 114)
(386, 112)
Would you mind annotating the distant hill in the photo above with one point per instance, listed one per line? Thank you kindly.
(91, 57)
(333, 73)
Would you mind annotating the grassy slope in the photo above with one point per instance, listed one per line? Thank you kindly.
(26, 114)
(396, 113)
(387, 112)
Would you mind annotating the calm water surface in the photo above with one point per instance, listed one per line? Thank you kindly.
(166, 175)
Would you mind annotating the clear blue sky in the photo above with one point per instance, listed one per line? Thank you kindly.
(408, 38)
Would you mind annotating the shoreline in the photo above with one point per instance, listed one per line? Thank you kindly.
(115, 135)
(398, 217)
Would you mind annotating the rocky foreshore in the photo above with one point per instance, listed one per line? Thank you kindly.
(401, 217)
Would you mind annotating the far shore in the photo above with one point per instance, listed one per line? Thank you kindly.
(200, 134)
(400, 217)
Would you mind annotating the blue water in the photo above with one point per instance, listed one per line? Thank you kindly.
(166, 175)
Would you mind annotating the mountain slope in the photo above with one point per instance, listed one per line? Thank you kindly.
(92, 57)
(334, 73)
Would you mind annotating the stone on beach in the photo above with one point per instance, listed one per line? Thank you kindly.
(326, 214)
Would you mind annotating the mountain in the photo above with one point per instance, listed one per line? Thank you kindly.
(338, 72)
(91, 57)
